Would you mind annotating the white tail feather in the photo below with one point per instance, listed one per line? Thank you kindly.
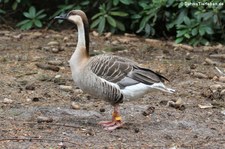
(162, 87)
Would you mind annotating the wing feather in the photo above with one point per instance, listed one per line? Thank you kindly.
(123, 72)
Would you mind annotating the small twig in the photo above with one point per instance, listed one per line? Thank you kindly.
(47, 67)
(220, 71)
(53, 124)
(39, 139)
(26, 74)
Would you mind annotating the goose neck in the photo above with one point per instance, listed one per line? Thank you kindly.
(83, 36)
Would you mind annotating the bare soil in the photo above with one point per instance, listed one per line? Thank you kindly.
(38, 108)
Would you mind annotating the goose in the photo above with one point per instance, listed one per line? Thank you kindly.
(109, 77)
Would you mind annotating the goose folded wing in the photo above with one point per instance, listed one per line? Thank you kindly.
(112, 69)
(146, 76)
(124, 72)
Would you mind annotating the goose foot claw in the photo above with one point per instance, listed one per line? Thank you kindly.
(116, 121)
(111, 125)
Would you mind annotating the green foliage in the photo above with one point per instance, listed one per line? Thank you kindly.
(33, 19)
(106, 19)
(187, 21)
(15, 4)
(2, 11)
(147, 17)
(198, 25)
(63, 8)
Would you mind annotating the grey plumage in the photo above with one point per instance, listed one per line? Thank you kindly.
(117, 70)
(94, 85)
(102, 73)
(108, 77)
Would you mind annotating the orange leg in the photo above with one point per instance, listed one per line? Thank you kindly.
(116, 120)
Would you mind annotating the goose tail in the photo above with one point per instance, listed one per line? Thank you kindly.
(162, 87)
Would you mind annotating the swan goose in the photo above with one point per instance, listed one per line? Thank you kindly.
(108, 77)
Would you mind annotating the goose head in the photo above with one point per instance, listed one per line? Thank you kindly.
(79, 18)
(74, 16)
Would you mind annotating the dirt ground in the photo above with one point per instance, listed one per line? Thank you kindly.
(41, 107)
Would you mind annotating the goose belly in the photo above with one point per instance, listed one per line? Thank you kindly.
(98, 87)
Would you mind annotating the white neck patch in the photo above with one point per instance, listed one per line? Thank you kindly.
(80, 27)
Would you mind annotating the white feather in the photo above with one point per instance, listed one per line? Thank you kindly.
(138, 90)
(135, 91)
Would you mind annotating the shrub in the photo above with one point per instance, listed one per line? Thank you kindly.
(145, 19)
(33, 19)
(198, 24)
(106, 18)
(193, 24)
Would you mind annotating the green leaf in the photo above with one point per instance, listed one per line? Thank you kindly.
(143, 4)
(181, 16)
(38, 23)
(194, 42)
(141, 26)
(181, 33)
(204, 41)
(207, 15)
(27, 26)
(103, 8)
(39, 12)
(126, 2)
(201, 31)
(6, 1)
(208, 30)
(154, 18)
(187, 35)
(85, 2)
(108, 6)
(62, 9)
(169, 3)
(187, 21)
(101, 25)
(113, 9)
(181, 4)
(2, 11)
(194, 32)
(143, 23)
(26, 14)
(181, 26)
(14, 6)
(170, 25)
(95, 23)
(22, 22)
(111, 21)
(119, 13)
(41, 16)
(115, 2)
(147, 29)
(120, 26)
(97, 15)
(136, 16)
(152, 32)
(215, 19)
(179, 40)
(32, 12)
